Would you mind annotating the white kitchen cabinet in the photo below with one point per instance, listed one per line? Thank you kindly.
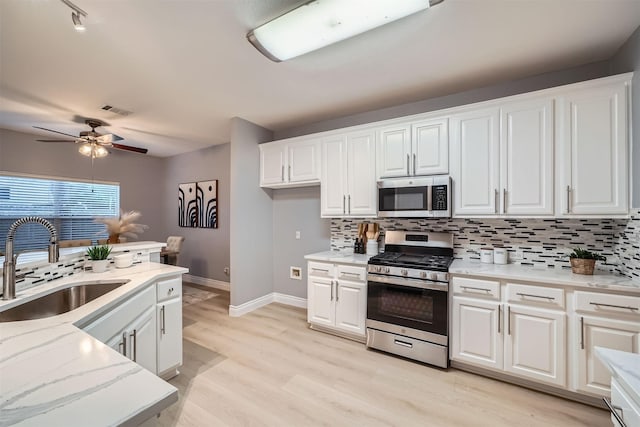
(626, 407)
(476, 332)
(168, 332)
(418, 148)
(475, 156)
(337, 298)
(593, 171)
(348, 175)
(290, 163)
(535, 344)
(142, 340)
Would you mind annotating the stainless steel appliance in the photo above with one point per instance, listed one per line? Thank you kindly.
(407, 296)
(428, 196)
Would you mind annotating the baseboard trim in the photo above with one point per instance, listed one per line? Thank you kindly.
(210, 283)
(249, 306)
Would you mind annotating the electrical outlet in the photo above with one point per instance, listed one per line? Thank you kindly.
(295, 273)
(297, 235)
(226, 270)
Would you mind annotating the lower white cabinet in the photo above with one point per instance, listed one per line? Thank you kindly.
(169, 327)
(626, 408)
(337, 297)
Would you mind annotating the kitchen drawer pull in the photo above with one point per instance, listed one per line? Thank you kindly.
(403, 343)
(162, 326)
(320, 269)
(535, 296)
(499, 316)
(508, 320)
(624, 307)
(408, 173)
(495, 200)
(476, 289)
(614, 411)
(348, 273)
(582, 333)
(134, 343)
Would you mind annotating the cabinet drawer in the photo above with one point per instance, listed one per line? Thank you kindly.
(352, 273)
(535, 295)
(607, 304)
(476, 287)
(321, 269)
(169, 288)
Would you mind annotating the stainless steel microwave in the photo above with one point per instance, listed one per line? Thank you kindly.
(425, 197)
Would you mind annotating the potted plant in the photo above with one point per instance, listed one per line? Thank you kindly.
(98, 256)
(584, 261)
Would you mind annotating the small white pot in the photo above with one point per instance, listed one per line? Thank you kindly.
(99, 266)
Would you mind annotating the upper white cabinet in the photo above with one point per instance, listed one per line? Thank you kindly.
(411, 149)
(502, 159)
(593, 171)
(348, 175)
(290, 163)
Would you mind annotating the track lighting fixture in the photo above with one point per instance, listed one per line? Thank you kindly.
(75, 16)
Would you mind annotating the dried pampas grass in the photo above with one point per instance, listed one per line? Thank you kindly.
(124, 225)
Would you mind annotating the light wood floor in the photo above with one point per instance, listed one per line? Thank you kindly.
(268, 368)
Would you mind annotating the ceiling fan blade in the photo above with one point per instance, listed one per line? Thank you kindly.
(108, 138)
(56, 140)
(129, 148)
(55, 131)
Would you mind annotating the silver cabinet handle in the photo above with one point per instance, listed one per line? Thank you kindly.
(282, 174)
(408, 172)
(535, 296)
(476, 289)
(504, 200)
(124, 343)
(162, 325)
(568, 199)
(289, 172)
(614, 411)
(414, 163)
(624, 307)
(331, 291)
(349, 199)
(319, 269)
(582, 333)
(121, 348)
(344, 209)
(403, 343)
(348, 273)
(337, 291)
(134, 343)
(499, 316)
(495, 200)
(508, 320)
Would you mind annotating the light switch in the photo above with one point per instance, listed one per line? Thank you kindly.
(297, 235)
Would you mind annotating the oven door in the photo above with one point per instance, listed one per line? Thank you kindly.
(408, 303)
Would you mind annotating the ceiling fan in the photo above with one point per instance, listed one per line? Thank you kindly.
(92, 143)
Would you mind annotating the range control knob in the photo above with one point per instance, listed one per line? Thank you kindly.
(378, 269)
(443, 277)
(404, 272)
(433, 275)
(423, 274)
(387, 270)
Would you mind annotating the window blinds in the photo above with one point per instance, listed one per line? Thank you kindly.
(71, 206)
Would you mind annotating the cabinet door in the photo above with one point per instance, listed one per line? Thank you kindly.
(535, 344)
(527, 158)
(320, 301)
(475, 164)
(142, 340)
(169, 334)
(394, 151)
(304, 161)
(430, 152)
(595, 151)
(593, 376)
(351, 306)
(362, 190)
(272, 163)
(333, 191)
(477, 332)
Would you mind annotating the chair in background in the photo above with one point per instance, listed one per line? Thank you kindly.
(169, 254)
(74, 243)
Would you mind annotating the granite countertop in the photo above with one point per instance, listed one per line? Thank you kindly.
(342, 257)
(53, 373)
(625, 367)
(551, 276)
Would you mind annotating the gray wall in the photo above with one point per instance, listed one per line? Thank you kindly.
(296, 209)
(140, 176)
(628, 59)
(251, 238)
(537, 82)
(205, 251)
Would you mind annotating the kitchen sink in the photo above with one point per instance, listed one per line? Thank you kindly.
(60, 301)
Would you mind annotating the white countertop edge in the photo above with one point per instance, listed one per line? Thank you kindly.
(341, 257)
(152, 410)
(625, 367)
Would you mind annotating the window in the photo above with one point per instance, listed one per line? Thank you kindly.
(70, 206)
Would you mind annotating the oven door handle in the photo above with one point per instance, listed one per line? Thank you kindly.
(410, 283)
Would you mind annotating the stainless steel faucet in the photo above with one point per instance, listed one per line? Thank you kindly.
(9, 266)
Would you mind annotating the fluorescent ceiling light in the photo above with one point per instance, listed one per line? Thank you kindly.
(319, 23)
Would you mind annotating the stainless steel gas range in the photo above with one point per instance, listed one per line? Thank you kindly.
(407, 296)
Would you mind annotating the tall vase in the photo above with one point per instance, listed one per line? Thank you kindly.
(113, 238)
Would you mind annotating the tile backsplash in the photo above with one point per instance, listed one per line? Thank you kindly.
(539, 242)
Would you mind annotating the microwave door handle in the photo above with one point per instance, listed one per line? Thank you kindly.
(429, 199)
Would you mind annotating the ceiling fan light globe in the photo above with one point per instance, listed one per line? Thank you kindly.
(100, 151)
(85, 150)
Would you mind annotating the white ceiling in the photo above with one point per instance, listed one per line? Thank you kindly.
(184, 67)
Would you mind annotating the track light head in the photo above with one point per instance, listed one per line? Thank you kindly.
(77, 23)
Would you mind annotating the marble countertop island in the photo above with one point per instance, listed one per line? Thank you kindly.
(53, 373)
(625, 367)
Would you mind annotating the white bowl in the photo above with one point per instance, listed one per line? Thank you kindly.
(123, 260)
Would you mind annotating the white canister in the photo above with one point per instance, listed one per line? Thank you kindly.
(500, 255)
(372, 247)
(486, 255)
